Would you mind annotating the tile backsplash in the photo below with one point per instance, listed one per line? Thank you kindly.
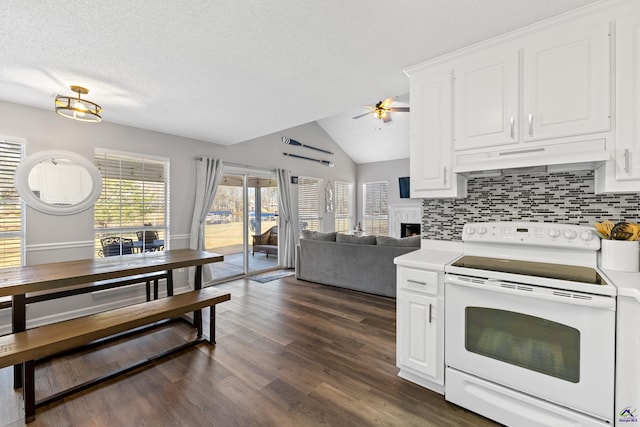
(560, 197)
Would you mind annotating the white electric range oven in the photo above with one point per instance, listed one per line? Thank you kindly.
(530, 326)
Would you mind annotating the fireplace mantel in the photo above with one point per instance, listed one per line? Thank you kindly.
(405, 212)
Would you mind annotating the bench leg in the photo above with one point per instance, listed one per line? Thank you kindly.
(197, 315)
(197, 320)
(18, 324)
(170, 283)
(155, 289)
(148, 286)
(29, 392)
(212, 324)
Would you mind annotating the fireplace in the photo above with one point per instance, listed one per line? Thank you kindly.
(409, 229)
(407, 213)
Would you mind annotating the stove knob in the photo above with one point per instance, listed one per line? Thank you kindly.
(482, 230)
(470, 230)
(587, 236)
(554, 232)
(570, 234)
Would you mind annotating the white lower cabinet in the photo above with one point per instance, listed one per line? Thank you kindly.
(420, 327)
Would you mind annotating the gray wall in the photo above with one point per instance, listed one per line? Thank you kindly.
(269, 149)
(561, 197)
(43, 129)
(388, 171)
(50, 238)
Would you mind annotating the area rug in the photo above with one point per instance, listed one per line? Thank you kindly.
(271, 275)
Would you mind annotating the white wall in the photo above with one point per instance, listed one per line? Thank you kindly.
(388, 171)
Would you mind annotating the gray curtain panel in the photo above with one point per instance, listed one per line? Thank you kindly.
(208, 175)
(288, 232)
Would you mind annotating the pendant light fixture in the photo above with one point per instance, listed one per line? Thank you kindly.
(76, 108)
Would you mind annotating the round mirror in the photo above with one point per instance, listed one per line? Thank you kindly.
(58, 182)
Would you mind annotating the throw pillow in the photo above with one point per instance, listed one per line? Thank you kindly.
(358, 240)
(317, 235)
(413, 241)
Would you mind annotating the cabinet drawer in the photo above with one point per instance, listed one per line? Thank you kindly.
(418, 280)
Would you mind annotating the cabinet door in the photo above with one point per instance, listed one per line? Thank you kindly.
(566, 82)
(627, 153)
(417, 332)
(431, 136)
(486, 100)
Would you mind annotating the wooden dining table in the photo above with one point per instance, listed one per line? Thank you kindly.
(17, 282)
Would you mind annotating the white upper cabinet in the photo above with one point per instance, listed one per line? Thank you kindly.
(627, 153)
(566, 84)
(540, 99)
(431, 136)
(563, 92)
(622, 172)
(486, 99)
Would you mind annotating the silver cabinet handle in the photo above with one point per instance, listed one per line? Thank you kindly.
(530, 124)
(523, 151)
(430, 307)
(415, 282)
(627, 154)
(512, 123)
(444, 175)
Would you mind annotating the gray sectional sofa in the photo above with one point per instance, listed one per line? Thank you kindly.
(361, 263)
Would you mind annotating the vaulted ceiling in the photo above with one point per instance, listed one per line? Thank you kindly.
(226, 71)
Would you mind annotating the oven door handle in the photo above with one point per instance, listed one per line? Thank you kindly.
(527, 291)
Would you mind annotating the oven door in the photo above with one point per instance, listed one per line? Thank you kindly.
(555, 345)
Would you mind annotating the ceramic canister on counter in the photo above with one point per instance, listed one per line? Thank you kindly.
(621, 255)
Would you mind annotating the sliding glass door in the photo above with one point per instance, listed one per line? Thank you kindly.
(243, 223)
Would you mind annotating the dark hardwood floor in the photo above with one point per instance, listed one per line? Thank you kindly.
(288, 353)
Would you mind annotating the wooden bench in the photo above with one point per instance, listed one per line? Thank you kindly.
(28, 346)
(5, 302)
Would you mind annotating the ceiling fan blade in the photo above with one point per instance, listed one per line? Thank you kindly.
(399, 109)
(387, 103)
(361, 115)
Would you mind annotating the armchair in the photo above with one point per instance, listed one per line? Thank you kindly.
(114, 246)
(149, 240)
(266, 242)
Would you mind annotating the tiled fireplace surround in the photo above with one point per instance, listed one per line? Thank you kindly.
(562, 197)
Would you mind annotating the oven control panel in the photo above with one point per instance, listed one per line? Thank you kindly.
(532, 233)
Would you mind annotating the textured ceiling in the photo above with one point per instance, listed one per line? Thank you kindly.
(226, 71)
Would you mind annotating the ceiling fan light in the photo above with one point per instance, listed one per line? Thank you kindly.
(380, 113)
(78, 109)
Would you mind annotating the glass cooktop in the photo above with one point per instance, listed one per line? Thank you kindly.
(571, 273)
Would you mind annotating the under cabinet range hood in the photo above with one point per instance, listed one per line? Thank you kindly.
(565, 156)
(565, 167)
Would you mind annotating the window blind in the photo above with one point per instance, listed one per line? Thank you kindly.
(376, 208)
(309, 203)
(134, 196)
(11, 235)
(343, 210)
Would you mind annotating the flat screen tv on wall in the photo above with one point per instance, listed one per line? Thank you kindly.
(404, 187)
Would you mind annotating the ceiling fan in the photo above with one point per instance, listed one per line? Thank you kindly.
(382, 110)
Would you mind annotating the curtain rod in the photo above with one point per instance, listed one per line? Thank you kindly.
(238, 165)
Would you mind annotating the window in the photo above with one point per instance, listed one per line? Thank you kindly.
(376, 208)
(343, 211)
(134, 203)
(11, 235)
(309, 203)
